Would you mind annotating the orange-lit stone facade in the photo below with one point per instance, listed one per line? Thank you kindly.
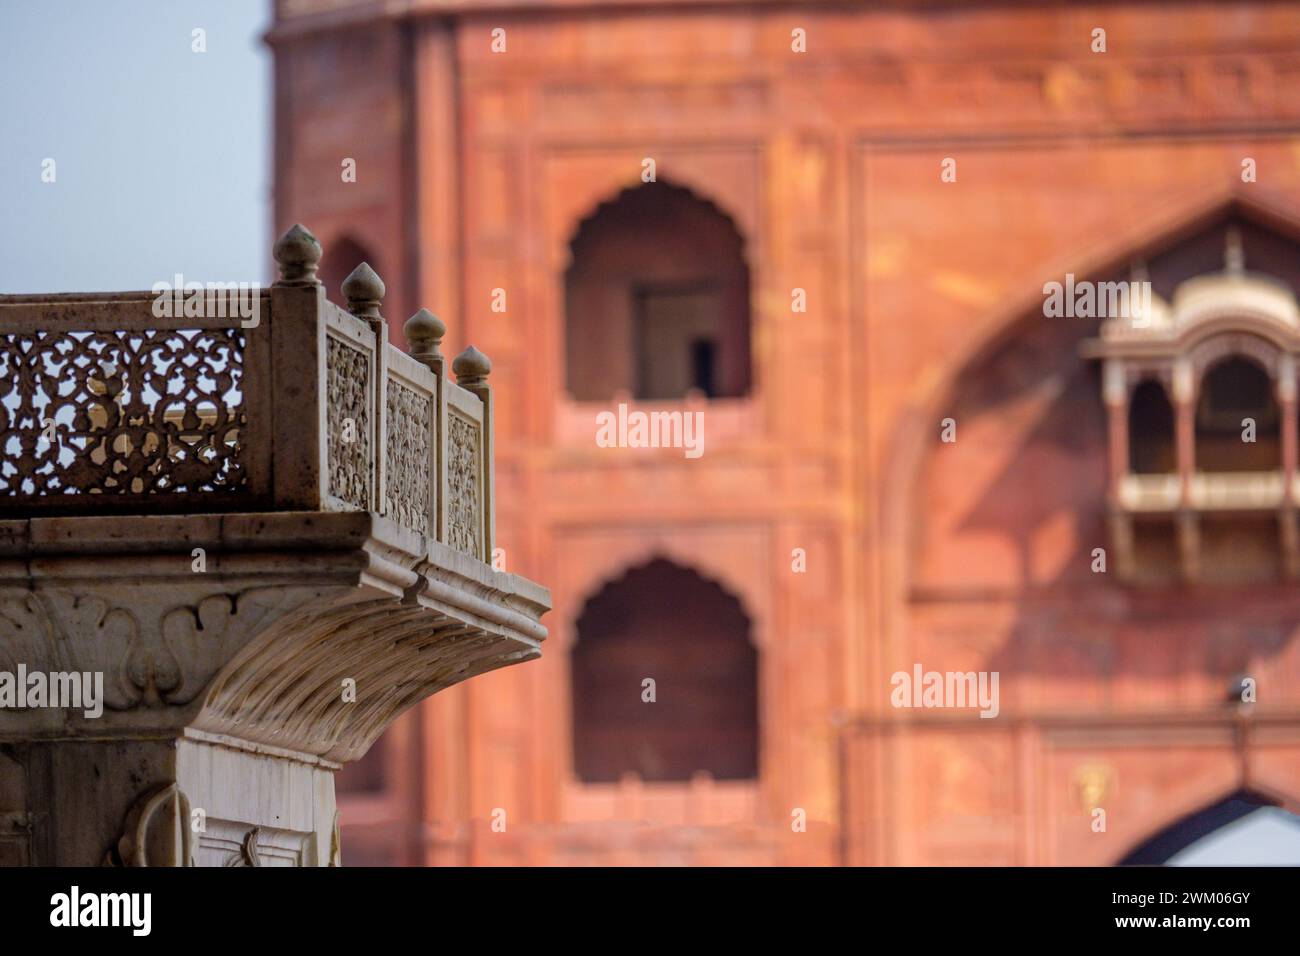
(856, 542)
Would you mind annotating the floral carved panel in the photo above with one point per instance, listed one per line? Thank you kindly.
(348, 424)
(464, 486)
(409, 483)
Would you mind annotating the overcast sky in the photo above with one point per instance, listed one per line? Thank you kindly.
(161, 154)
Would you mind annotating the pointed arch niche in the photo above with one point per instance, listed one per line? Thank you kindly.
(665, 623)
(1153, 539)
(657, 300)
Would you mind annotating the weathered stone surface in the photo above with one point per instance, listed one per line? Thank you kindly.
(239, 640)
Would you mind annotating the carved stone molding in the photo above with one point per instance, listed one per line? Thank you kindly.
(156, 650)
(464, 478)
(347, 405)
(287, 687)
(293, 611)
(156, 831)
(409, 478)
(247, 855)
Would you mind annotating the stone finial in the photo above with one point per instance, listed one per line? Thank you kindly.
(471, 368)
(424, 332)
(364, 290)
(1234, 256)
(298, 253)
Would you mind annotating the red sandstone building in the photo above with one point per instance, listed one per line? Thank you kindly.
(841, 263)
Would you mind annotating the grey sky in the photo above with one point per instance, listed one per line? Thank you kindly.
(162, 154)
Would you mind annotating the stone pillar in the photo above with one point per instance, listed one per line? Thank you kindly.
(1188, 522)
(1115, 395)
(1287, 402)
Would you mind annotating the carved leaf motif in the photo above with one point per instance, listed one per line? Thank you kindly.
(348, 422)
(131, 674)
(205, 635)
(464, 460)
(26, 635)
(247, 855)
(408, 484)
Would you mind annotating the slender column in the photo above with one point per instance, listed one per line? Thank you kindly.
(1286, 398)
(1115, 394)
(1184, 394)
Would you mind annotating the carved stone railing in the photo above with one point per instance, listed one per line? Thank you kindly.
(108, 407)
(266, 536)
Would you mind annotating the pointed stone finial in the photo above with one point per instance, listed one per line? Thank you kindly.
(298, 253)
(471, 368)
(424, 332)
(1234, 255)
(364, 290)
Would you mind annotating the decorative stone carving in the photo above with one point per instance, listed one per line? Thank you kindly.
(336, 855)
(285, 688)
(156, 653)
(409, 484)
(206, 634)
(348, 422)
(141, 412)
(232, 844)
(247, 855)
(245, 644)
(27, 634)
(463, 482)
(156, 831)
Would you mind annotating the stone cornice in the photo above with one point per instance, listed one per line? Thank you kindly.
(261, 643)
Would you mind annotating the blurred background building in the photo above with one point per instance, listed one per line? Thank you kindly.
(840, 261)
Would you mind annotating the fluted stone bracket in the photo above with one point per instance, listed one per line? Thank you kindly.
(300, 640)
(260, 644)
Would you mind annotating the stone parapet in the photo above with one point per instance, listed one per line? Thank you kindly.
(207, 605)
